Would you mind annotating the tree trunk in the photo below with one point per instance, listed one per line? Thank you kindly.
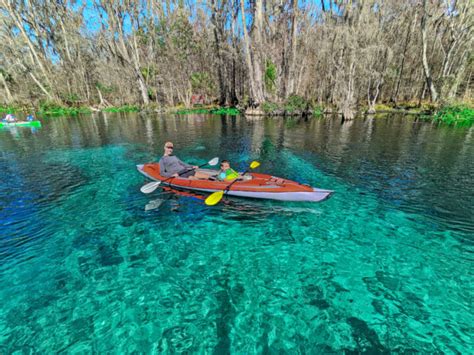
(7, 90)
(220, 62)
(348, 103)
(426, 68)
(248, 58)
(233, 93)
(400, 73)
(46, 92)
(142, 86)
(103, 102)
(290, 87)
(141, 80)
(258, 62)
(33, 53)
(458, 79)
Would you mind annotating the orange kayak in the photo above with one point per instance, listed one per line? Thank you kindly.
(251, 185)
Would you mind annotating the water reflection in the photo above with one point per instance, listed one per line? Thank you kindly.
(416, 165)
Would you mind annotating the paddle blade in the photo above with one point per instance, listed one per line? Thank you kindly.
(214, 198)
(213, 162)
(254, 164)
(150, 187)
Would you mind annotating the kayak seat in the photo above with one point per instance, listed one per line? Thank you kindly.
(276, 181)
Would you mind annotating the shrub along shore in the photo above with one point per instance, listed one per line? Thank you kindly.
(460, 114)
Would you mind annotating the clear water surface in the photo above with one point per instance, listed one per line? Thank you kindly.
(90, 264)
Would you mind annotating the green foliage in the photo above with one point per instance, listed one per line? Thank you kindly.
(148, 72)
(8, 109)
(125, 108)
(270, 76)
(71, 99)
(187, 111)
(382, 107)
(201, 81)
(181, 35)
(48, 108)
(318, 111)
(231, 111)
(269, 107)
(456, 115)
(296, 103)
(415, 106)
(105, 89)
(6, 75)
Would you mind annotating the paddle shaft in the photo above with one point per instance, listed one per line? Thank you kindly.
(233, 182)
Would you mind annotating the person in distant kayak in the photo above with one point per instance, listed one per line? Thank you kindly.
(227, 173)
(30, 118)
(10, 118)
(171, 165)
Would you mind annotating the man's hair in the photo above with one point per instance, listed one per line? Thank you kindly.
(167, 144)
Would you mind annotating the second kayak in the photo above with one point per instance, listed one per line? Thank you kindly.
(21, 123)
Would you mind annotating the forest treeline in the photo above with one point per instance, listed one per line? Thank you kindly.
(337, 53)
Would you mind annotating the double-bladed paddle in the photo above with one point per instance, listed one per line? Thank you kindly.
(215, 197)
(150, 187)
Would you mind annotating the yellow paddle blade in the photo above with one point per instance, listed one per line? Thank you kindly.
(214, 198)
(254, 164)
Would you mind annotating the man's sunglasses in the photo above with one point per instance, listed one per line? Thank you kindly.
(169, 147)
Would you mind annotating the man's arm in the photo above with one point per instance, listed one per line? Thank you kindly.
(183, 164)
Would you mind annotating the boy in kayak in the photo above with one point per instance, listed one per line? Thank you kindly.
(171, 165)
(227, 173)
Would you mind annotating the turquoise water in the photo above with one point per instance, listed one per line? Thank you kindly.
(89, 264)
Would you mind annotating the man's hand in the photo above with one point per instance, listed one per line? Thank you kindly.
(195, 166)
(175, 175)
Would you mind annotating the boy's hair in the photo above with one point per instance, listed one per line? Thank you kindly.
(224, 161)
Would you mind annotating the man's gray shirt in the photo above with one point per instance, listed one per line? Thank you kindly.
(170, 165)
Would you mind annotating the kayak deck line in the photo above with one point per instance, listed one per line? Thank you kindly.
(258, 185)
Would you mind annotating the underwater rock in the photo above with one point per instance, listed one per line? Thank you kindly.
(153, 204)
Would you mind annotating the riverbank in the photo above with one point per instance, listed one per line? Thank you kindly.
(459, 114)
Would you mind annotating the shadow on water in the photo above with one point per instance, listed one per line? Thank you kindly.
(173, 200)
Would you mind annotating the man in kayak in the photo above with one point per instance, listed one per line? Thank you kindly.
(170, 165)
(227, 173)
